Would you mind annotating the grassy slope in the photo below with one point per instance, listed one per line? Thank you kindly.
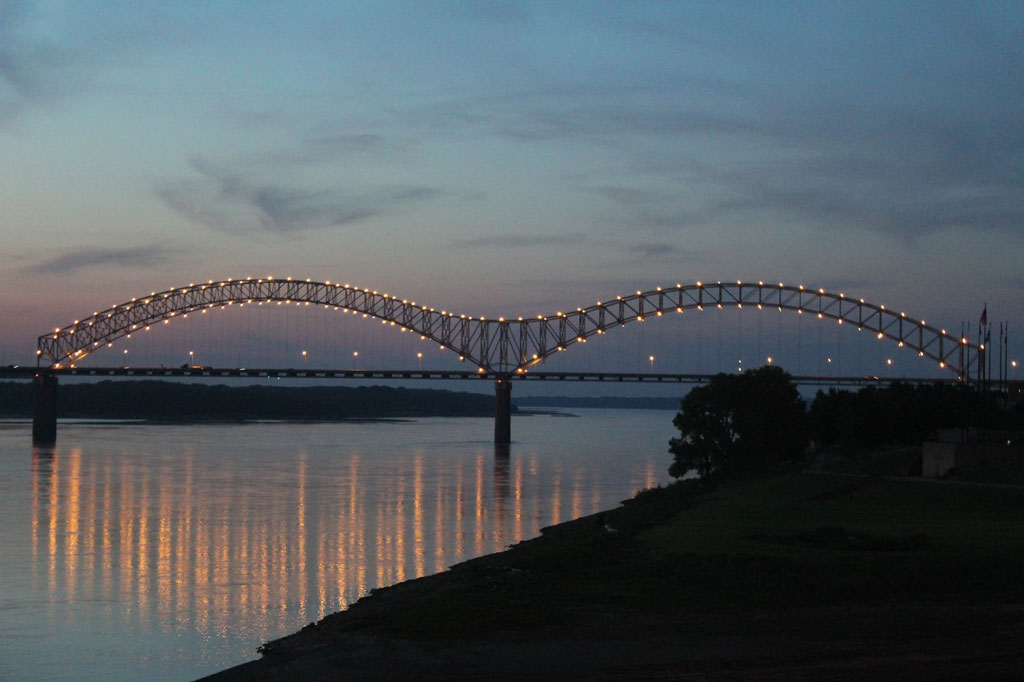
(806, 553)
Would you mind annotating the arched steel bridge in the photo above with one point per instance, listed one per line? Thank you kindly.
(506, 345)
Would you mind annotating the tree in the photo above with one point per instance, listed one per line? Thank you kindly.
(740, 424)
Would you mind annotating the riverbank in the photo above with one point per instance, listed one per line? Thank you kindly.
(794, 577)
(158, 401)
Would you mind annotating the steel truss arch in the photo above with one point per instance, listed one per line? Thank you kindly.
(508, 346)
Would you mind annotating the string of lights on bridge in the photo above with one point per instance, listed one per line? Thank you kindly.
(500, 344)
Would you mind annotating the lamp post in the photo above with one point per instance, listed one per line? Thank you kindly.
(126, 358)
(355, 356)
(651, 358)
(419, 356)
(303, 358)
(191, 358)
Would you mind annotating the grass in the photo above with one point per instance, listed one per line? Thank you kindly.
(809, 550)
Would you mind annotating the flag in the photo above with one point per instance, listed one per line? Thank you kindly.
(984, 315)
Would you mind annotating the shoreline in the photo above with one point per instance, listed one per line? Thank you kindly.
(546, 609)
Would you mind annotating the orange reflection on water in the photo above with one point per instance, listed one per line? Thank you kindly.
(183, 538)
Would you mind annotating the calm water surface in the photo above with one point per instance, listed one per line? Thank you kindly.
(170, 552)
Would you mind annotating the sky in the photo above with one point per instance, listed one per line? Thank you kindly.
(505, 158)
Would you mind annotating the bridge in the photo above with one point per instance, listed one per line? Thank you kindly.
(501, 349)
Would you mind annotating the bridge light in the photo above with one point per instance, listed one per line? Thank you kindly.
(699, 284)
(880, 335)
(821, 291)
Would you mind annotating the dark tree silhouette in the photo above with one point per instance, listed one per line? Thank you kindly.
(740, 424)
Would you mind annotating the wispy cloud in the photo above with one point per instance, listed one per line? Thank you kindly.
(233, 202)
(48, 54)
(82, 259)
(520, 241)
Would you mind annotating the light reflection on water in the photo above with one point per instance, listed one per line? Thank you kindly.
(171, 552)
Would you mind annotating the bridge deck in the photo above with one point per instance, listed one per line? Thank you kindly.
(404, 374)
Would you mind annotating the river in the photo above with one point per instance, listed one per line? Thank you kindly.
(135, 552)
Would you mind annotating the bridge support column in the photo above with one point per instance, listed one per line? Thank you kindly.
(502, 411)
(44, 415)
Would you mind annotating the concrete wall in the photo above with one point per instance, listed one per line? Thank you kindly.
(937, 458)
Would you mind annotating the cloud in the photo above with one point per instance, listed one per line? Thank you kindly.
(73, 261)
(232, 202)
(330, 147)
(49, 53)
(520, 241)
(658, 250)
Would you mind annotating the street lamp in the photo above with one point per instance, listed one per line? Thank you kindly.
(651, 358)
(419, 356)
(126, 358)
(191, 358)
(355, 355)
(303, 358)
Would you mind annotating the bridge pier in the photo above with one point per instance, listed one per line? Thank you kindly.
(502, 411)
(44, 414)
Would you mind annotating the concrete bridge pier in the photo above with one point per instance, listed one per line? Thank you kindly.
(502, 411)
(44, 414)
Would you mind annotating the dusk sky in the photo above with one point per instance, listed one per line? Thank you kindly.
(503, 158)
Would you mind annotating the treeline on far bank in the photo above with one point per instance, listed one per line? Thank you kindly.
(902, 414)
(177, 401)
(757, 422)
